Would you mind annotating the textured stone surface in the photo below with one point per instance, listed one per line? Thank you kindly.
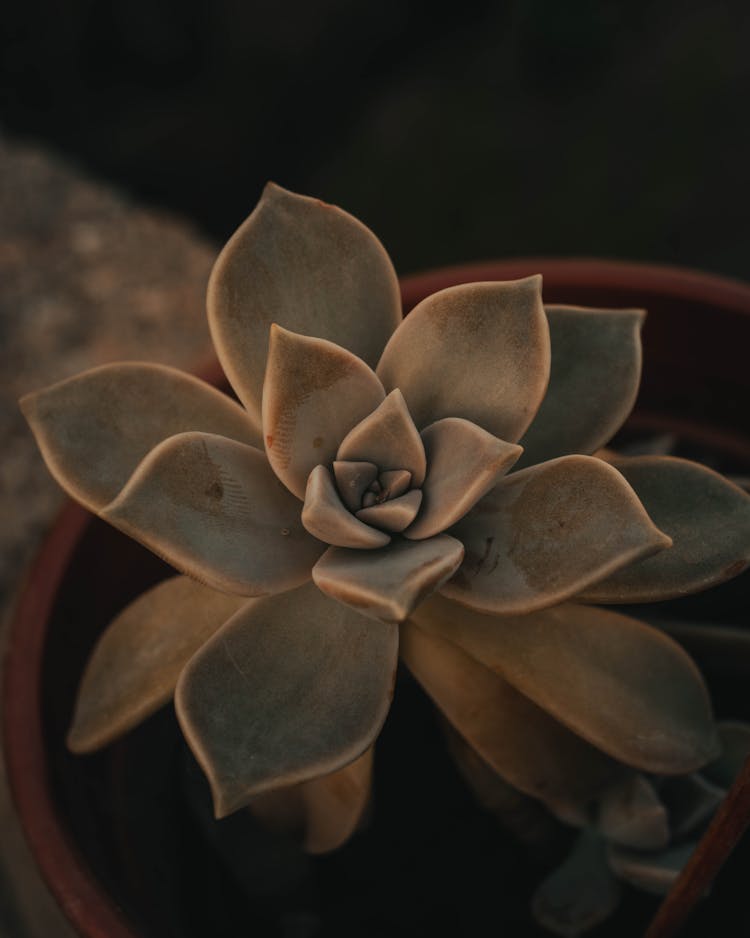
(85, 278)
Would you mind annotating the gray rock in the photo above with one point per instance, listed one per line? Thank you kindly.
(86, 277)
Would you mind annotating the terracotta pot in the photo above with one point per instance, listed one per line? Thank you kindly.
(111, 832)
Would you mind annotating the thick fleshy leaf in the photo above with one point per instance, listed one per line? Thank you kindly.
(324, 812)
(214, 509)
(579, 894)
(722, 649)
(134, 666)
(479, 351)
(327, 518)
(575, 814)
(735, 748)
(453, 485)
(314, 393)
(594, 378)
(394, 482)
(632, 814)
(661, 444)
(651, 872)
(352, 480)
(387, 438)
(526, 817)
(692, 801)
(292, 688)
(625, 687)
(309, 267)
(544, 534)
(708, 519)
(94, 429)
(388, 583)
(522, 743)
(393, 515)
(336, 804)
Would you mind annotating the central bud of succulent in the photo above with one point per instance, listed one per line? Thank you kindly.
(381, 498)
(372, 488)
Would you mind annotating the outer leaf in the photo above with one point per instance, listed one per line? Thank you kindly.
(544, 534)
(579, 894)
(309, 267)
(479, 351)
(453, 486)
(735, 748)
(326, 518)
(625, 687)
(292, 688)
(692, 801)
(521, 742)
(134, 666)
(631, 814)
(708, 519)
(324, 812)
(651, 872)
(591, 349)
(388, 583)
(723, 649)
(95, 428)
(525, 816)
(214, 509)
(314, 393)
(387, 438)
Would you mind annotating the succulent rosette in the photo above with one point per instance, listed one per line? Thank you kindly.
(423, 485)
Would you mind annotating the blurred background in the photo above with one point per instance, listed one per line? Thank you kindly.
(135, 135)
(533, 126)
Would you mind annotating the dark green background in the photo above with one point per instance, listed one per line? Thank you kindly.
(463, 132)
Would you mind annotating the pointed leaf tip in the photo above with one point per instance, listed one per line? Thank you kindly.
(501, 329)
(94, 429)
(293, 688)
(314, 393)
(309, 267)
(546, 533)
(214, 509)
(708, 519)
(632, 814)
(387, 438)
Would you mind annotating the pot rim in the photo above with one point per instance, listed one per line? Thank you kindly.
(627, 276)
(88, 907)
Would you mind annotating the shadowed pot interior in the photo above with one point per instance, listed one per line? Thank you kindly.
(124, 837)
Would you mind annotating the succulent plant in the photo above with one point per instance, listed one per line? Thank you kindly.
(428, 486)
(640, 830)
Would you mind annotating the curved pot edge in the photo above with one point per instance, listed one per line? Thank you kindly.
(729, 292)
(76, 891)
